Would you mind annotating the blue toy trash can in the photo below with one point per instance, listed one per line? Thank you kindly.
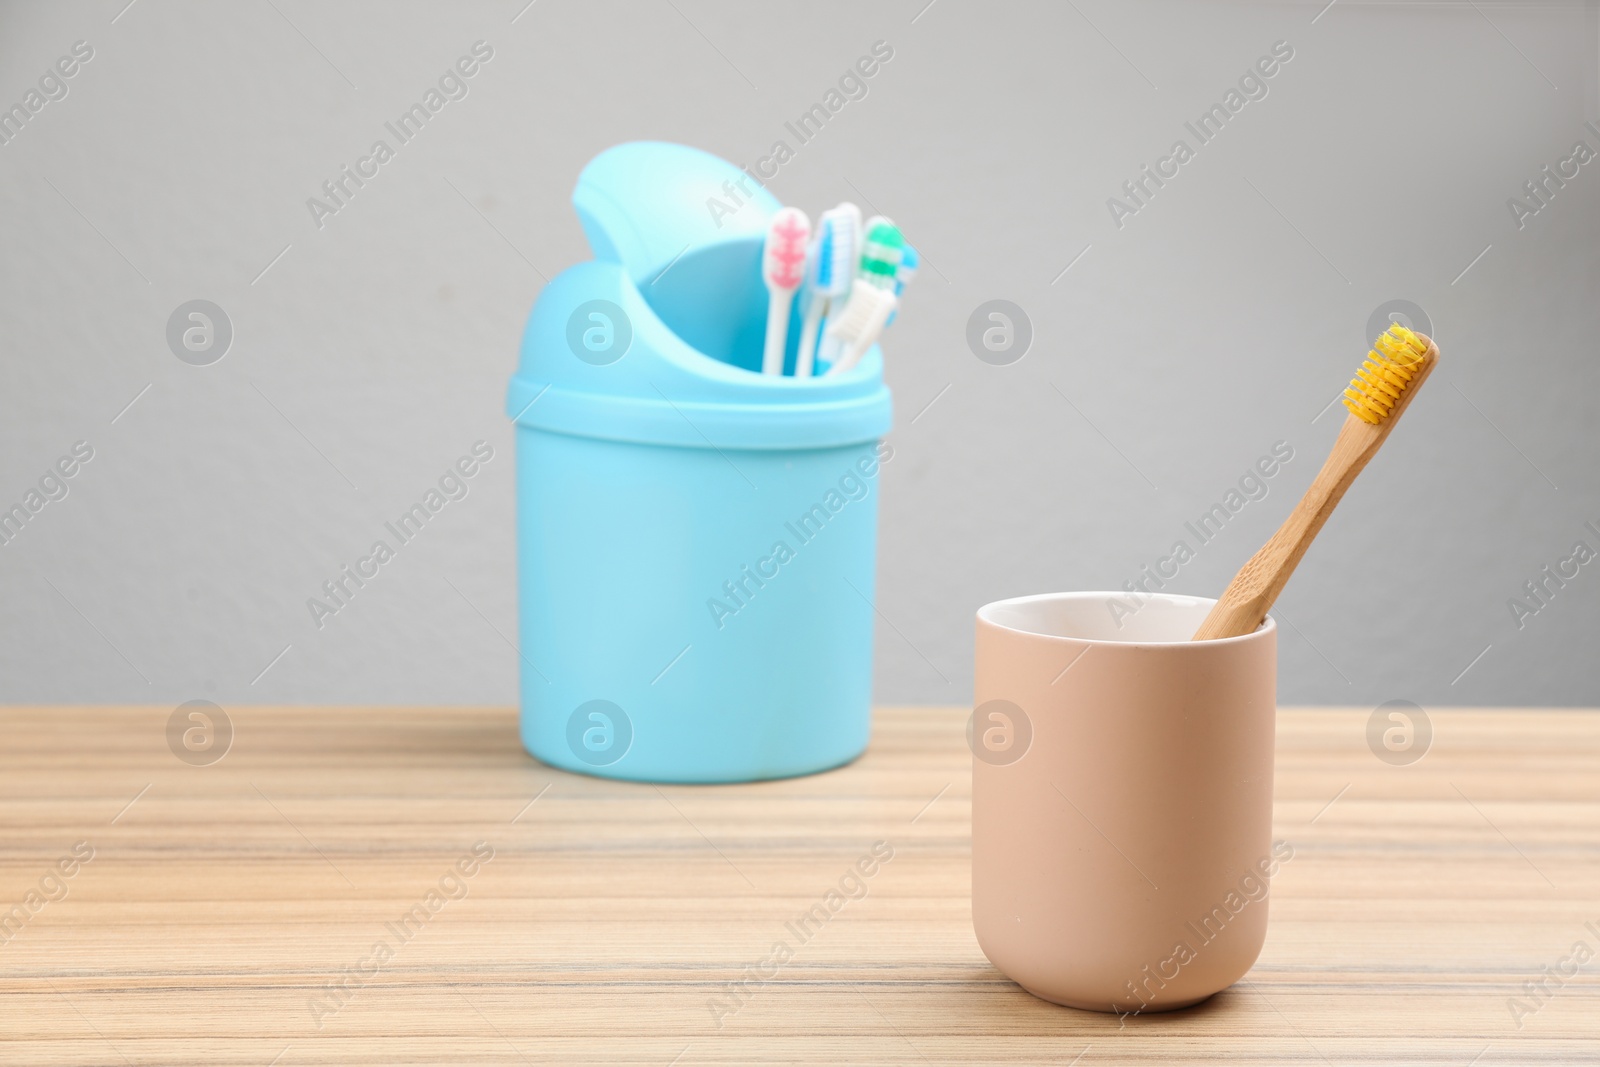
(696, 541)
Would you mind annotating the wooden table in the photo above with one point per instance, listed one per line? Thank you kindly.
(232, 913)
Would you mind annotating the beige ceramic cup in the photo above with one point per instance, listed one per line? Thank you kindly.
(1121, 799)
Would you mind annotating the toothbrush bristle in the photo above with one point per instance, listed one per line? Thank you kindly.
(909, 262)
(786, 248)
(1385, 373)
(842, 262)
(881, 253)
(866, 310)
(822, 263)
(833, 253)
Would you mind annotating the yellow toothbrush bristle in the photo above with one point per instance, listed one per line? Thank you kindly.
(1385, 373)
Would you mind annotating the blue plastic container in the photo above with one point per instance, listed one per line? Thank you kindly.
(696, 541)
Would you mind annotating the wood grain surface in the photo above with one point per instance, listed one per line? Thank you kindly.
(233, 913)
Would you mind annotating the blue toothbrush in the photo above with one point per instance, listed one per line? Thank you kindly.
(832, 269)
(903, 276)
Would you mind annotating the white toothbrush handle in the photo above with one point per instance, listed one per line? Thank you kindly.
(805, 359)
(829, 345)
(777, 331)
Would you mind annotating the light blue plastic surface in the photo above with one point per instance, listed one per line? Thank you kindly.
(647, 483)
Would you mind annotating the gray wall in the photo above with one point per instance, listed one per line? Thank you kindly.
(1181, 345)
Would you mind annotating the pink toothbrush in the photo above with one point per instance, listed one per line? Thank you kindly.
(783, 260)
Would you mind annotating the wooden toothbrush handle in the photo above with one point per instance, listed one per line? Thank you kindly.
(1245, 603)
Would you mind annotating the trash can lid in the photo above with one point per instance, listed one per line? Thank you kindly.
(646, 203)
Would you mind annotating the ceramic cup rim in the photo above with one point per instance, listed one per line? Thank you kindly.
(986, 617)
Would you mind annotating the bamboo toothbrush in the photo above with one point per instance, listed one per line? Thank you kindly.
(1394, 370)
(783, 261)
